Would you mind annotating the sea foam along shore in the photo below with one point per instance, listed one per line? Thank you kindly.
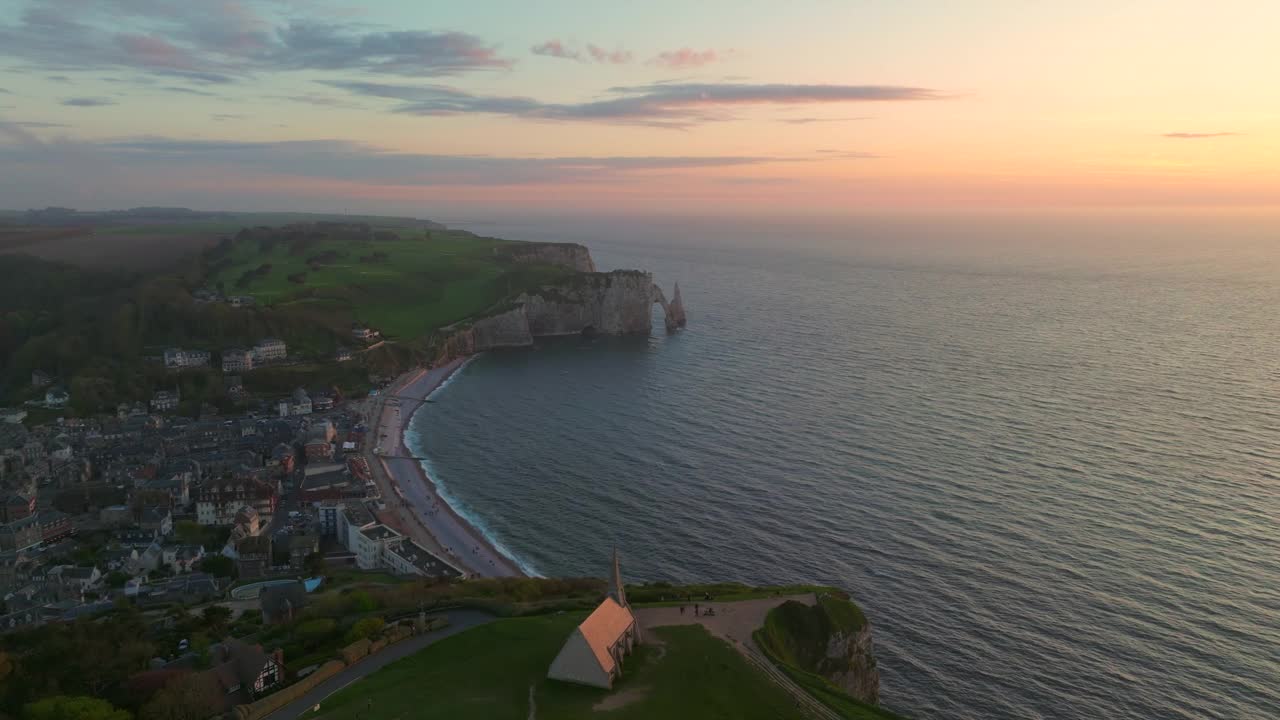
(460, 539)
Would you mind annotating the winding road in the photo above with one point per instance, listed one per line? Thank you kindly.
(459, 620)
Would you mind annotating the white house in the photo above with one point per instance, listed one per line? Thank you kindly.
(56, 397)
(301, 403)
(177, 358)
(236, 360)
(270, 350)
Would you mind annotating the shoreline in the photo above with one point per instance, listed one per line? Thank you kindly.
(453, 536)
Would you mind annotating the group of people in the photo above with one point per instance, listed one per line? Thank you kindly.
(697, 610)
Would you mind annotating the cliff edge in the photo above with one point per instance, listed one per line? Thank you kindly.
(831, 639)
(586, 303)
(567, 255)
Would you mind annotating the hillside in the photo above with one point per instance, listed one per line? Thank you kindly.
(405, 283)
(100, 332)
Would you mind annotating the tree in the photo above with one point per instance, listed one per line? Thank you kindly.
(65, 707)
(190, 697)
(188, 532)
(218, 566)
(312, 632)
(117, 579)
(366, 628)
(315, 564)
(216, 618)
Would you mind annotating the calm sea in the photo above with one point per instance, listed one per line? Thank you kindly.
(1044, 454)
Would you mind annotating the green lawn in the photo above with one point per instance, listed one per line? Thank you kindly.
(487, 672)
(419, 285)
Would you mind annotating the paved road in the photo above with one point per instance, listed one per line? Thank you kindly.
(459, 620)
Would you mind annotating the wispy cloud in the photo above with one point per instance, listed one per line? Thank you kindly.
(38, 124)
(613, 57)
(593, 53)
(556, 49)
(670, 105)
(88, 102)
(685, 58)
(188, 91)
(225, 41)
(1198, 135)
(340, 160)
(810, 120)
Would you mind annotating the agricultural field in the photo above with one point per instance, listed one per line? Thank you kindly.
(405, 284)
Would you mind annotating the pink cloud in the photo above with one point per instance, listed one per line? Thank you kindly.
(685, 58)
(599, 54)
(153, 51)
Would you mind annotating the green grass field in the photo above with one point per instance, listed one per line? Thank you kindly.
(421, 281)
(487, 672)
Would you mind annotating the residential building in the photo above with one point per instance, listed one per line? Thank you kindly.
(183, 558)
(410, 558)
(281, 458)
(371, 544)
(300, 548)
(177, 358)
(240, 673)
(319, 446)
(40, 378)
(13, 416)
(56, 397)
(240, 300)
(364, 334)
(236, 360)
(218, 501)
(253, 556)
(351, 520)
(327, 512)
(280, 602)
(16, 507)
(164, 401)
(269, 350)
(342, 355)
(54, 525)
(300, 403)
(156, 519)
(21, 534)
(74, 581)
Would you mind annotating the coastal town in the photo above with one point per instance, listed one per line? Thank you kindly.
(153, 507)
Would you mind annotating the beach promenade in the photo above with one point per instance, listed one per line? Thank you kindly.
(407, 490)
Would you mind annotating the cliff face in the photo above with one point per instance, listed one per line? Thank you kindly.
(831, 638)
(568, 255)
(613, 303)
(850, 663)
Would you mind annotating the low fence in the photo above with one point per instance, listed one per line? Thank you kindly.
(350, 655)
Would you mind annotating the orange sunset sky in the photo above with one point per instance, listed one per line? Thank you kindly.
(416, 107)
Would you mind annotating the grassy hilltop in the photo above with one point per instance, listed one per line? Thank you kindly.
(406, 283)
(93, 299)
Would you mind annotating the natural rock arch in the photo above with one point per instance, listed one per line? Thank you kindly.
(673, 311)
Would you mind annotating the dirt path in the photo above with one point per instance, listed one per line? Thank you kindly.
(735, 622)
